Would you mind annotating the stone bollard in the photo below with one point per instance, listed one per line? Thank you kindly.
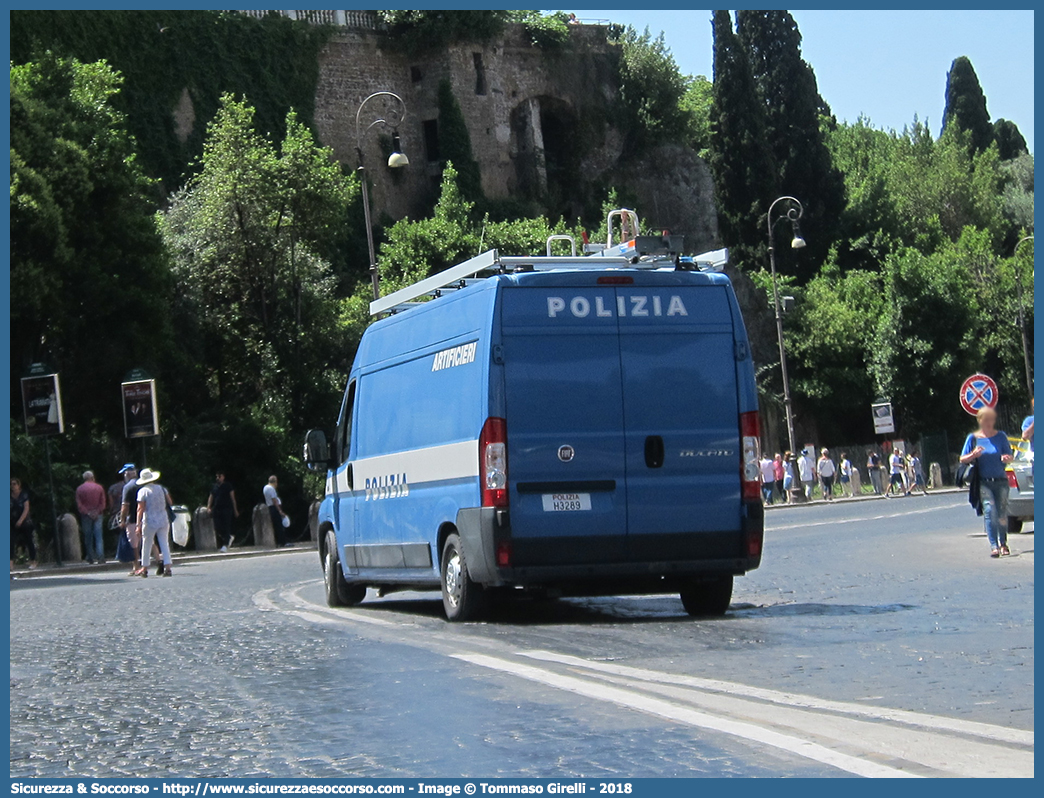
(313, 522)
(264, 535)
(203, 530)
(856, 485)
(69, 538)
(935, 476)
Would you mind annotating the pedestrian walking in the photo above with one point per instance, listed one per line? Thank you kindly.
(807, 471)
(91, 500)
(124, 550)
(22, 526)
(128, 511)
(1027, 427)
(788, 475)
(779, 472)
(915, 471)
(153, 520)
(845, 467)
(826, 470)
(275, 511)
(768, 479)
(990, 451)
(873, 470)
(114, 498)
(221, 504)
(897, 469)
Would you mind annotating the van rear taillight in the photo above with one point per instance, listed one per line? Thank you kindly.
(750, 444)
(493, 462)
(621, 280)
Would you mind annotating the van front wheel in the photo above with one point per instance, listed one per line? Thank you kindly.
(708, 599)
(338, 592)
(462, 598)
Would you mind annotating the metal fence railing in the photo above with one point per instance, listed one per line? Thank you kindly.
(357, 20)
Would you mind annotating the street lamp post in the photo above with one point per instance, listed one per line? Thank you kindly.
(396, 160)
(1022, 317)
(793, 214)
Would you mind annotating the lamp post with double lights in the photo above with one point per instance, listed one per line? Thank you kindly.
(1022, 317)
(793, 214)
(395, 109)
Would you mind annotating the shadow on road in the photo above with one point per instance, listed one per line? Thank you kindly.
(822, 610)
(520, 611)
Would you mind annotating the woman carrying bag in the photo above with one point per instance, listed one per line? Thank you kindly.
(990, 452)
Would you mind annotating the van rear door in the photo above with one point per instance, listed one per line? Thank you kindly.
(565, 423)
(681, 416)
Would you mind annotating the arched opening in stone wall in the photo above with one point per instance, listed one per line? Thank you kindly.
(545, 152)
(558, 124)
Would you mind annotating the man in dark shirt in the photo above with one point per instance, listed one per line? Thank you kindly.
(222, 507)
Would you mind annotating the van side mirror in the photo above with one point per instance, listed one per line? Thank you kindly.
(316, 450)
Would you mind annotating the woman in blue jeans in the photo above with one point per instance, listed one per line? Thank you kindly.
(991, 452)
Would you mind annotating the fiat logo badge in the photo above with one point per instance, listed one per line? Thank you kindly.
(566, 453)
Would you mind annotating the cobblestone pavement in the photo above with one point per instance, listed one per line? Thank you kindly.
(232, 668)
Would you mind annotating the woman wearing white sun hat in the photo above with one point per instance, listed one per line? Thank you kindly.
(152, 520)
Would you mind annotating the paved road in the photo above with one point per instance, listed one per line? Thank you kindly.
(878, 638)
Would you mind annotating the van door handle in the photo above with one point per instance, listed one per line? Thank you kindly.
(350, 477)
(654, 451)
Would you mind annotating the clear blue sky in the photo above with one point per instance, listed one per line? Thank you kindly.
(886, 65)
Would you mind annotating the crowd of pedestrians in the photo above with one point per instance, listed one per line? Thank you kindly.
(140, 511)
(829, 479)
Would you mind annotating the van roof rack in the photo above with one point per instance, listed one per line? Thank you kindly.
(638, 252)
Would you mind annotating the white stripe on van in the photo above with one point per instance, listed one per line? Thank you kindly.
(435, 463)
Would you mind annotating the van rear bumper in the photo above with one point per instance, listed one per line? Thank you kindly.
(561, 561)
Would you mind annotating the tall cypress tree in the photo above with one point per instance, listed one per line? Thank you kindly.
(455, 143)
(745, 178)
(794, 112)
(966, 104)
(1010, 141)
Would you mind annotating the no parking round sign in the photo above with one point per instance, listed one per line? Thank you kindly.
(977, 392)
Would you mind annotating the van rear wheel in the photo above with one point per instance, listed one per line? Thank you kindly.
(1014, 524)
(338, 592)
(462, 599)
(708, 599)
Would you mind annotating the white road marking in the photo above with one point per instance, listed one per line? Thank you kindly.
(865, 519)
(947, 754)
(818, 729)
(263, 602)
(938, 722)
(292, 597)
(655, 706)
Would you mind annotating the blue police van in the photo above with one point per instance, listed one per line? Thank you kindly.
(571, 425)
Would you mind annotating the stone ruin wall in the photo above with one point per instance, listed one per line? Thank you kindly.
(504, 88)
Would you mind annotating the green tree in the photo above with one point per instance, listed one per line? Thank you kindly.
(247, 236)
(1010, 143)
(928, 338)
(794, 110)
(831, 344)
(651, 90)
(870, 227)
(455, 143)
(698, 106)
(415, 249)
(1017, 197)
(966, 104)
(89, 281)
(166, 56)
(907, 189)
(744, 168)
(425, 31)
